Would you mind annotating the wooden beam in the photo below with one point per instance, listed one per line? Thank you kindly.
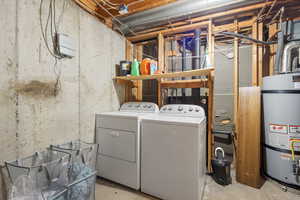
(231, 11)
(194, 83)
(145, 5)
(197, 72)
(90, 7)
(168, 31)
(254, 54)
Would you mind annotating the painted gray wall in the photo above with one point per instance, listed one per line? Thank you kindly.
(29, 122)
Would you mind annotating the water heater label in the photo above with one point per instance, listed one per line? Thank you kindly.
(295, 129)
(297, 85)
(276, 128)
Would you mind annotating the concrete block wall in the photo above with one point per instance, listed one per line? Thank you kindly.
(31, 120)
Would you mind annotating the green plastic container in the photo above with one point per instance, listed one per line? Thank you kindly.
(135, 68)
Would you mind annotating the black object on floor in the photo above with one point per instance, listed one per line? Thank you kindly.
(221, 168)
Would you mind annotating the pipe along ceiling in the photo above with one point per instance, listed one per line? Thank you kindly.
(179, 10)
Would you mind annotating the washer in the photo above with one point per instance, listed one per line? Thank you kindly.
(118, 136)
(173, 153)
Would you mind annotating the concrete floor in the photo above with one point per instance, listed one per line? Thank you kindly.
(106, 190)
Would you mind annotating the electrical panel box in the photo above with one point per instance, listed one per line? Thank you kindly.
(65, 47)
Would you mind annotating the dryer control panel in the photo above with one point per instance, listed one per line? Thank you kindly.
(146, 107)
(183, 109)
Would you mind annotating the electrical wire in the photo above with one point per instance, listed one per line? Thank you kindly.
(52, 27)
(116, 19)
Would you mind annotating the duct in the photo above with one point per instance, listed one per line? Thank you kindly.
(196, 52)
(247, 38)
(287, 57)
(280, 48)
(179, 10)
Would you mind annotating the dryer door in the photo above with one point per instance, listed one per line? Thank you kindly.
(117, 144)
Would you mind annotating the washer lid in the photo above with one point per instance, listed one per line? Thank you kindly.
(183, 110)
(175, 120)
(125, 114)
(140, 107)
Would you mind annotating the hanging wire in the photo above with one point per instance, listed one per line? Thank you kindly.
(52, 27)
(116, 19)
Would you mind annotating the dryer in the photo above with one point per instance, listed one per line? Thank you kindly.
(173, 153)
(118, 136)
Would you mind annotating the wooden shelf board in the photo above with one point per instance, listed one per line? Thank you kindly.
(194, 83)
(198, 72)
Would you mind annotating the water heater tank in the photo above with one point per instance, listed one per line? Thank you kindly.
(281, 108)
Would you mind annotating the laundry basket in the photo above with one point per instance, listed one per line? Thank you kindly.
(83, 188)
(82, 152)
(39, 176)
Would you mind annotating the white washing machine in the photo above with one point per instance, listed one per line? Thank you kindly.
(118, 136)
(173, 153)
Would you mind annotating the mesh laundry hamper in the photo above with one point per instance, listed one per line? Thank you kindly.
(83, 165)
(39, 176)
(82, 152)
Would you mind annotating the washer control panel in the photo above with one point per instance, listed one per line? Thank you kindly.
(187, 110)
(146, 107)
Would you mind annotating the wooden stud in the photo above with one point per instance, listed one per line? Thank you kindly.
(260, 54)
(161, 52)
(129, 57)
(254, 54)
(236, 81)
(159, 93)
(139, 83)
(210, 138)
(272, 32)
(236, 75)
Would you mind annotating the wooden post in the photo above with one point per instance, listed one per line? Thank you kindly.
(272, 32)
(139, 83)
(161, 65)
(161, 52)
(236, 75)
(260, 54)
(236, 81)
(210, 138)
(159, 93)
(254, 54)
(129, 57)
